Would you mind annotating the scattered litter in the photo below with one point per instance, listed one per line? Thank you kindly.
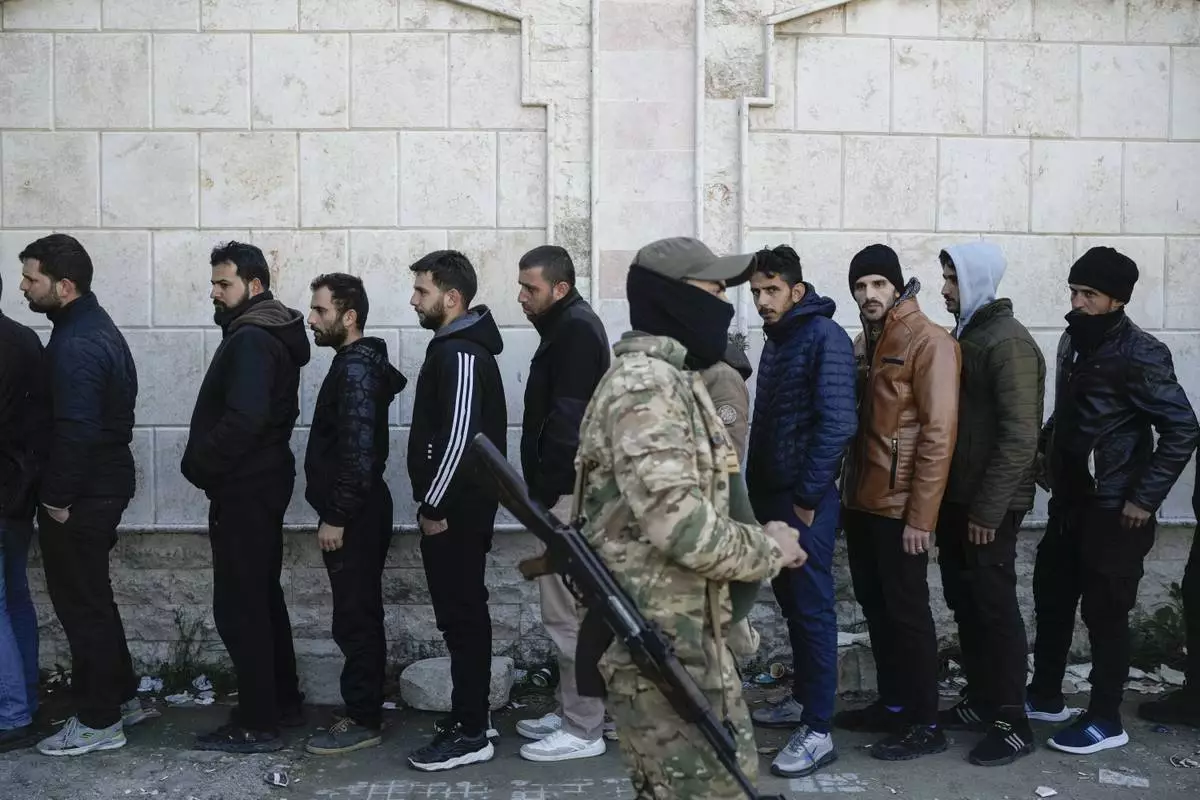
(1136, 674)
(277, 778)
(1171, 677)
(542, 678)
(845, 639)
(202, 684)
(777, 670)
(1161, 729)
(1044, 791)
(181, 699)
(764, 679)
(767, 751)
(1111, 778)
(515, 705)
(1185, 762)
(149, 684)
(519, 675)
(1081, 671)
(206, 698)
(1147, 686)
(890, 789)
(389, 705)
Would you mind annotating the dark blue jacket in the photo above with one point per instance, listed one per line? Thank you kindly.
(805, 412)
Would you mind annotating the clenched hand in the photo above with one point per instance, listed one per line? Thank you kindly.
(329, 537)
(788, 539)
(915, 540)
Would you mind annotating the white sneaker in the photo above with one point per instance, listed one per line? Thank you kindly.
(806, 752)
(562, 746)
(75, 739)
(541, 727)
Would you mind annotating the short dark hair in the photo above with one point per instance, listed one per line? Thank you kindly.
(781, 262)
(946, 260)
(62, 258)
(450, 269)
(555, 261)
(348, 294)
(249, 260)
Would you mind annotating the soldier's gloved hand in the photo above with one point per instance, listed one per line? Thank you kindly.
(788, 539)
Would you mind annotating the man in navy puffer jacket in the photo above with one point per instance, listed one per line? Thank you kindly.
(804, 417)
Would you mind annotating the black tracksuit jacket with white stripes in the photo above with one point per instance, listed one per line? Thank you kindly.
(459, 394)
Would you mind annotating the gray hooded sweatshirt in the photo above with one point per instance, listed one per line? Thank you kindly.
(980, 266)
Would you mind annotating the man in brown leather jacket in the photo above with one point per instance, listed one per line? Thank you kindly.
(896, 472)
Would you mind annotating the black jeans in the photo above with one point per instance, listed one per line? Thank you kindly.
(1086, 555)
(979, 583)
(245, 523)
(75, 559)
(893, 590)
(454, 567)
(1191, 612)
(356, 579)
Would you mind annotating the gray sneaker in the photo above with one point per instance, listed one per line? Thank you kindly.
(787, 713)
(805, 753)
(344, 736)
(540, 728)
(75, 739)
(133, 712)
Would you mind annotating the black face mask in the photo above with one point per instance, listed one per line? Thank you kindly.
(1088, 330)
(696, 319)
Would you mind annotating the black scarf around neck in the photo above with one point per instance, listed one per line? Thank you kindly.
(661, 306)
(1088, 330)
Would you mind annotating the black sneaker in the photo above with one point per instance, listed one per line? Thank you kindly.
(963, 717)
(451, 749)
(18, 738)
(874, 718)
(1004, 744)
(1177, 708)
(236, 739)
(343, 736)
(914, 742)
(447, 723)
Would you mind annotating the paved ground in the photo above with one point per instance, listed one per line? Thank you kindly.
(158, 763)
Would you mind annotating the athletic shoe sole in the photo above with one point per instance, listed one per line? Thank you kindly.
(1111, 743)
(822, 762)
(1001, 762)
(107, 744)
(316, 750)
(913, 756)
(596, 748)
(478, 757)
(1049, 716)
(530, 733)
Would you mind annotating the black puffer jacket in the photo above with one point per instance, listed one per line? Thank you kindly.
(1099, 441)
(348, 442)
(567, 366)
(22, 411)
(93, 390)
(248, 402)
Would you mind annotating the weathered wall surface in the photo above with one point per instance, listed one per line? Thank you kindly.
(357, 134)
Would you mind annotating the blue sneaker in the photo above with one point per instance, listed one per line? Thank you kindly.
(787, 713)
(1089, 735)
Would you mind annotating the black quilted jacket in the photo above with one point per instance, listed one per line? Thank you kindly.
(348, 443)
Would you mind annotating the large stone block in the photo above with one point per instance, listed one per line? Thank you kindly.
(891, 182)
(623, 77)
(1161, 193)
(860, 69)
(121, 279)
(782, 114)
(399, 80)
(447, 179)
(1163, 22)
(149, 180)
(1146, 305)
(1182, 265)
(1185, 348)
(641, 26)
(102, 80)
(319, 664)
(647, 125)
(348, 15)
(443, 15)
(170, 366)
(1079, 20)
(522, 193)
(1036, 278)
(795, 181)
(485, 83)
(182, 275)
(631, 224)
(176, 502)
(1076, 187)
(495, 255)
(299, 512)
(1032, 89)
(140, 510)
(1126, 91)
(937, 87)
(519, 347)
(213, 97)
(989, 19)
(983, 185)
(50, 179)
(12, 303)
(382, 259)
(241, 15)
(348, 179)
(63, 15)
(301, 80)
(626, 175)
(248, 179)
(893, 17)
(155, 15)
(1185, 91)
(25, 69)
(296, 257)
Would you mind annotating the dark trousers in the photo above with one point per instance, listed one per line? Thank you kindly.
(1085, 555)
(454, 568)
(980, 586)
(1191, 612)
(75, 559)
(893, 590)
(806, 598)
(356, 579)
(245, 525)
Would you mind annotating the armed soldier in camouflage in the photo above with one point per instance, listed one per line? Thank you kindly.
(656, 468)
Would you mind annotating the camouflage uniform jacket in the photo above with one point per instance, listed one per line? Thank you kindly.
(655, 462)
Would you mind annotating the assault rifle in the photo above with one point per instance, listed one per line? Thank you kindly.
(594, 586)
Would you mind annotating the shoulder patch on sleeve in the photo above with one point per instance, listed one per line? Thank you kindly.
(727, 413)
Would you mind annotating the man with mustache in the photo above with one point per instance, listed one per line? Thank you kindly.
(344, 463)
(238, 453)
(896, 474)
(804, 416)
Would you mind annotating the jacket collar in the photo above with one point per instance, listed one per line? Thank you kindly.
(985, 314)
(548, 320)
(73, 309)
(663, 348)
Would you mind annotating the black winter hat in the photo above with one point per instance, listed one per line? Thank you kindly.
(877, 259)
(1106, 270)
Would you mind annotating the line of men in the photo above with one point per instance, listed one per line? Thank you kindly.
(941, 432)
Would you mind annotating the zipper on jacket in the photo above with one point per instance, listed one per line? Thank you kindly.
(895, 458)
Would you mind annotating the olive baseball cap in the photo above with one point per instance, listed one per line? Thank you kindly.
(681, 258)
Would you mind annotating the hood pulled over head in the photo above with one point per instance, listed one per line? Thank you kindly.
(979, 266)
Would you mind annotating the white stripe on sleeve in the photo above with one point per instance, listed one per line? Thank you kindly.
(463, 395)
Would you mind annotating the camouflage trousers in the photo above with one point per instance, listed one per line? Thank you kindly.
(667, 759)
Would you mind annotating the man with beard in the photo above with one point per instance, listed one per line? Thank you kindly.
(459, 394)
(347, 452)
(804, 416)
(86, 481)
(571, 358)
(656, 498)
(238, 454)
(990, 490)
(896, 474)
(1107, 476)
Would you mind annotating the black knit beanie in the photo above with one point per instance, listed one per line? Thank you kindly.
(1106, 270)
(877, 259)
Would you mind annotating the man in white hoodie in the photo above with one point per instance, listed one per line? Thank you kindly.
(991, 487)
